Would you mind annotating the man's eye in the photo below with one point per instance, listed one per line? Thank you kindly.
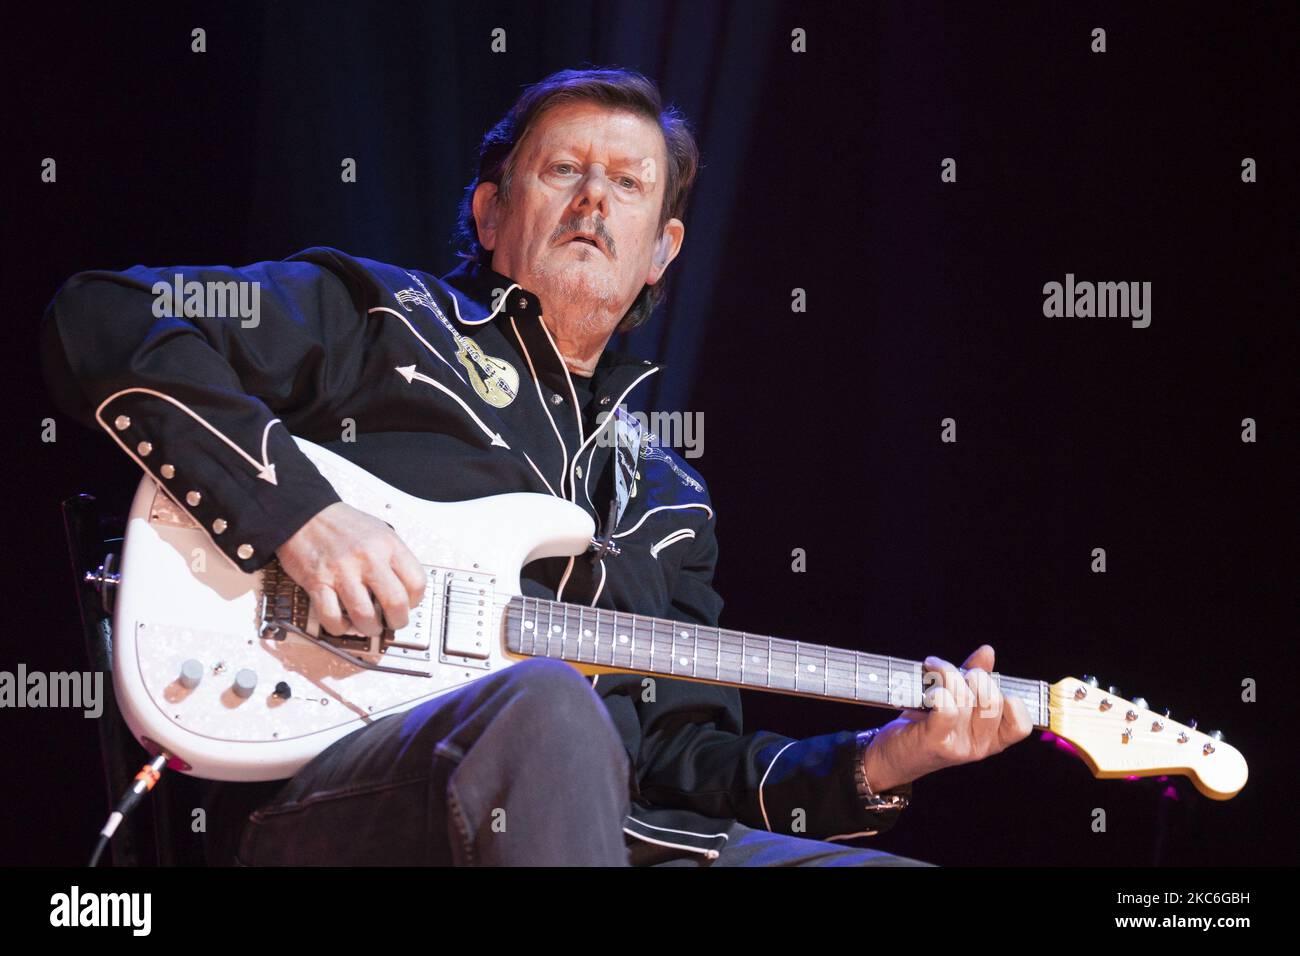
(627, 181)
(562, 167)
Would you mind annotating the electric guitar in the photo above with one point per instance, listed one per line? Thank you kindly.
(232, 675)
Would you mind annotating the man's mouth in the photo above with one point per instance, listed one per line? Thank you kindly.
(587, 240)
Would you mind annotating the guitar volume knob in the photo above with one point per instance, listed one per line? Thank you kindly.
(191, 674)
(245, 682)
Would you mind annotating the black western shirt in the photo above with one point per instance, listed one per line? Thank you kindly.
(385, 366)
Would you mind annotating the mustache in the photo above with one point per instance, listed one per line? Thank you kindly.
(597, 229)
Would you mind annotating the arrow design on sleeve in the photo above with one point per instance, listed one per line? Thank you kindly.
(265, 470)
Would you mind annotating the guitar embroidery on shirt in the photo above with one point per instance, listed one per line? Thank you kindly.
(494, 380)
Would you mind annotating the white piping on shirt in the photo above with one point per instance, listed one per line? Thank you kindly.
(672, 830)
(681, 534)
(577, 412)
(693, 504)
(848, 836)
(564, 451)
(423, 340)
(600, 587)
(761, 805)
(568, 569)
(490, 316)
(409, 373)
(710, 854)
(163, 488)
(539, 473)
(265, 470)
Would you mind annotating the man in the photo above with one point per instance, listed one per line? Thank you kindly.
(493, 379)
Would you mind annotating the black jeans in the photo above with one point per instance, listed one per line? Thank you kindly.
(522, 767)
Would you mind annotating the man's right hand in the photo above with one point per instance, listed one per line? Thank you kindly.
(342, 557)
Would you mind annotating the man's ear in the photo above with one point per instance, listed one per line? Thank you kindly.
(486, 213)
(666, 249)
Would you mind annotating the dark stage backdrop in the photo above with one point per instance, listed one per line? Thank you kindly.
(924, 302)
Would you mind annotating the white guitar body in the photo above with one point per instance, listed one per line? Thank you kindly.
(181, 601)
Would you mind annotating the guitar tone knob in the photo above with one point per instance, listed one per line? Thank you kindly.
(245, 682)
(191, 674)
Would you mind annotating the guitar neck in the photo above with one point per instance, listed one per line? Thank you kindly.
(537, 627)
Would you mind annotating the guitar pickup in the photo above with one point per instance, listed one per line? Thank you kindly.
(468, 615)
(416, 635)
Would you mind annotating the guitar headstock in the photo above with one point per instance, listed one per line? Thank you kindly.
(1123, 738)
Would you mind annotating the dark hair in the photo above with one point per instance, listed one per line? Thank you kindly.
(613, 87)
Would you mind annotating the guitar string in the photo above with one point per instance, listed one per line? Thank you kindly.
(783, 654)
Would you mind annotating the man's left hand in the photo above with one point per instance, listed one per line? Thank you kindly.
(968, 720)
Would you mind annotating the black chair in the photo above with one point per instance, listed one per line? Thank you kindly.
(158, 831)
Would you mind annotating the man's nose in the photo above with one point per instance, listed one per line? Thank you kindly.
(593, 191)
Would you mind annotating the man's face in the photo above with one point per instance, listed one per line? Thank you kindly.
(580, 226)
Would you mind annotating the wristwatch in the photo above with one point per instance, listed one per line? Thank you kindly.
(895, 799)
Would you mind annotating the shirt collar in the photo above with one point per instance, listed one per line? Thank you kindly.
(483, 286)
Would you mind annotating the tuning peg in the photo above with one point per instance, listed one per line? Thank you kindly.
(1216, 735)
(1112, 689)
(1192, 723)
(1141, 702)
(1168, 715)
(1090, 680)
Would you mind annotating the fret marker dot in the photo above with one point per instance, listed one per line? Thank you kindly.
(872, 677)
(757, 659)
(528, 625)
(812, 667)
(685, 636)
(555, 629)
(622, 638)
(683, 660)
(587, 633)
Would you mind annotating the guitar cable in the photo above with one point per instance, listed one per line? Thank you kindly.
(144, 781)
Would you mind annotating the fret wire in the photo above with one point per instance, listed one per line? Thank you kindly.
(581, 628)
(697, 651)
(550, 626)
(672, 649)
